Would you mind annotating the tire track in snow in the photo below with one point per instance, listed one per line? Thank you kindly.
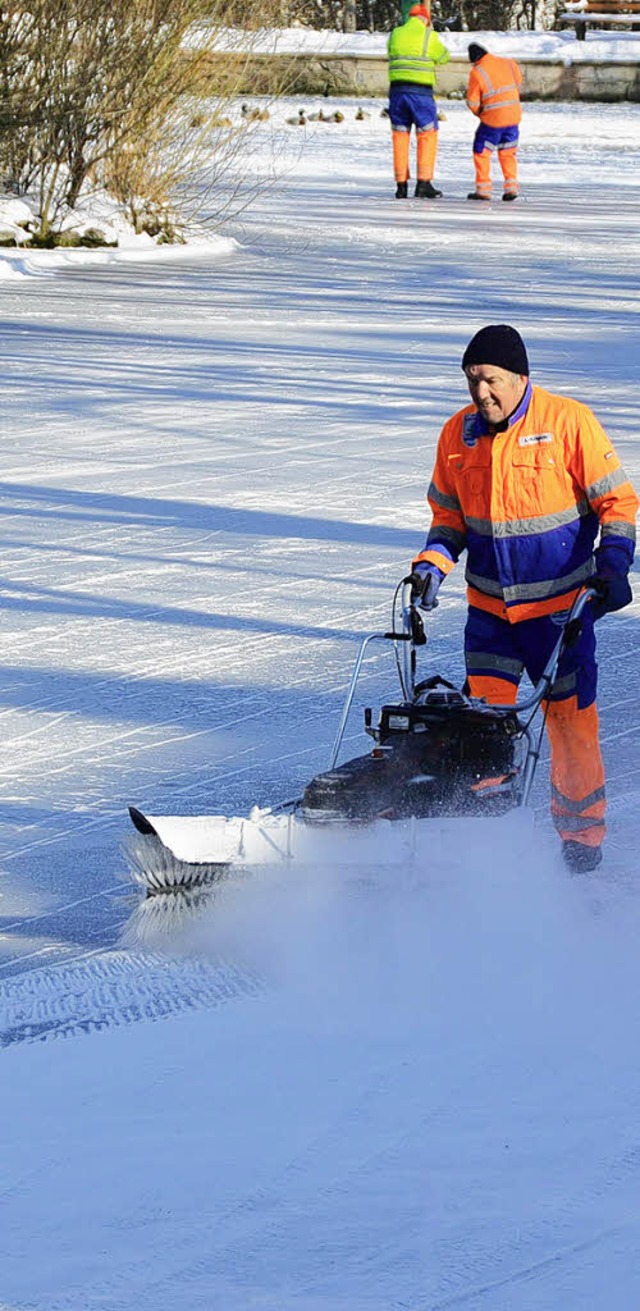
(107, 990)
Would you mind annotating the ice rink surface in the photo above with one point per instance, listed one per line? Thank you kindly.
(390, 1093)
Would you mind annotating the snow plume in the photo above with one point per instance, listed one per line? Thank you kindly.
(455, 1033)
(490, 939)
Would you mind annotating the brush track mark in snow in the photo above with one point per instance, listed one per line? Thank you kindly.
(478, 1295)
(111, 990)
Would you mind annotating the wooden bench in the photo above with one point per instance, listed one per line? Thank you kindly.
(600, 13)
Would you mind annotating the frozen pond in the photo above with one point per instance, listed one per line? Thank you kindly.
(212, 475)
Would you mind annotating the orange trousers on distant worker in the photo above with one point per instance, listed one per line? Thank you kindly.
(426, 149)
(509, 165)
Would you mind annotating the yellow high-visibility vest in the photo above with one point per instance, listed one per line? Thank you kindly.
(414, 51)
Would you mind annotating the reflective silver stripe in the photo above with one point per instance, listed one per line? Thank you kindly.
(411, 64)
(444, 501)
(486, 660)
(543, 523)
(484, 77)
(486, 585)
(483, 527)
(491, 98)
(619, 528)
(562, 685)
(457, 540)
(531, 591)
(607, 484)
(575, 823)
(577, 807)
(500, 99)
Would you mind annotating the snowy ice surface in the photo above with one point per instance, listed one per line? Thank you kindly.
(378, 1090)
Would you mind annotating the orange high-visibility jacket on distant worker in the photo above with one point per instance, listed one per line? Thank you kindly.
(493, 93)
(527, 504)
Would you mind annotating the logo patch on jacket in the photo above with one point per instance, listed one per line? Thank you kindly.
(535, 439)
(469, 434)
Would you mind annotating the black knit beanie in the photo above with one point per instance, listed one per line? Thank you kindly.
(498, 344)
(476, 52)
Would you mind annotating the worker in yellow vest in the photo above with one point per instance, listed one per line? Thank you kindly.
(493, 95)
(414, 50)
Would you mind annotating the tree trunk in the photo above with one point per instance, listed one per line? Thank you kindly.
(349, 19)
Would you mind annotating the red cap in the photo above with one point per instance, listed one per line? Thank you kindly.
(420, 11)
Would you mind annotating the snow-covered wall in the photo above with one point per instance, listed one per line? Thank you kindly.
(566, 78)
(556, 66)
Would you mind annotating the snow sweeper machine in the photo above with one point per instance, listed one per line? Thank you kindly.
(440, 759)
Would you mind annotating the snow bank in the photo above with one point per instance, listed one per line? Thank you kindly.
(601, 47)
(98, 211)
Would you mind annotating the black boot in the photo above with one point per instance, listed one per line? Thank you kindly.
(475, 195)
(510, 195)
(426, 191)
(401, 191)
(579, 858)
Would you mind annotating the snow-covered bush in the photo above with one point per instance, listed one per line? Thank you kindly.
(102, 93)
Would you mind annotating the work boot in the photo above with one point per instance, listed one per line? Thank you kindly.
(510, 195)
(426, 191)
(401, 191)
(579, 858)
(476, 195)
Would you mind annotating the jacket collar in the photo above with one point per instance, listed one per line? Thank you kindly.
(481, 427)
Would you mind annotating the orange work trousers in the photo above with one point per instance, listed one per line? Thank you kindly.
(508, 163)
(496, 655)
(578, 802)
(426, 150)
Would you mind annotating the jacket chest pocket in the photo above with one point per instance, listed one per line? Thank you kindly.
(540, 483)
(535, 460)
(473, 477)
(477, 486)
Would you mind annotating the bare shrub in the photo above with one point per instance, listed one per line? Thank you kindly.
(107, 89)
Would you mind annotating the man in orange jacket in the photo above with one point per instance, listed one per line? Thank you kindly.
(526, 482)
(493, 95)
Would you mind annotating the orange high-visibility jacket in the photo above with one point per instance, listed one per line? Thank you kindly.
(527, 504)
(493, 94)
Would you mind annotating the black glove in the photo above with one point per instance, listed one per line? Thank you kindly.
(613, 594)
(426, 580)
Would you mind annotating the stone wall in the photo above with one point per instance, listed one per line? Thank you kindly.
(366, 75)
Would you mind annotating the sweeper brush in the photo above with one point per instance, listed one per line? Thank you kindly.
(442, 763)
